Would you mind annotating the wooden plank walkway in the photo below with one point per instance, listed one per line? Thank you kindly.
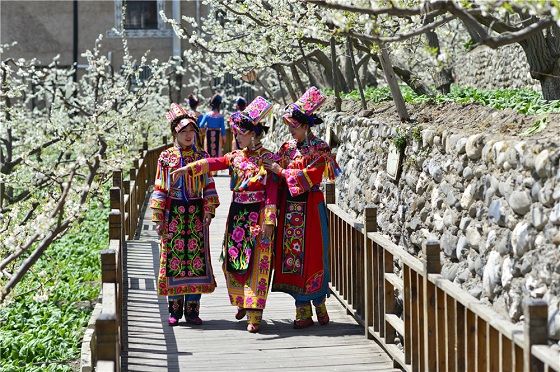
(222, 343)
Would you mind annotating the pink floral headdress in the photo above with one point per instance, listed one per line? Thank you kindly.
(301, 111)
(177, 113)
(250, 118)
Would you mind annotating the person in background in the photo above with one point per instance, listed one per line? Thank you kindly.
(193, 103)
(182, 210)
(301, 262)
(240, 105)
(247, 250)
(214, 124)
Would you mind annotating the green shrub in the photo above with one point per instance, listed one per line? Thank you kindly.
(524, 101)
(43, 323)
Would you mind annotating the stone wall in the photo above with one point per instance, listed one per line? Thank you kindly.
(493, 201)
(487, 68)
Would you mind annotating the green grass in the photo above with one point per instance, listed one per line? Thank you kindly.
(43, 323)
(523, 101)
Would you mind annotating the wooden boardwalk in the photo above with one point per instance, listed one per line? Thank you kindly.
(222, 343)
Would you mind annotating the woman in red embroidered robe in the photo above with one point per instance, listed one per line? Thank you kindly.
(182, 210)
(247, 250)
(301, 260)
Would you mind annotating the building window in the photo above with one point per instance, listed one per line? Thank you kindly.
(141, 15)
(142, 19)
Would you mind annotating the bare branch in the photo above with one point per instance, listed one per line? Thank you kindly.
(250, 16)
(393, 11)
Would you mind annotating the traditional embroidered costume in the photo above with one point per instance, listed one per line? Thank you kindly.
(247, 254)
(185, 266)
(213, 123)
(301, 261)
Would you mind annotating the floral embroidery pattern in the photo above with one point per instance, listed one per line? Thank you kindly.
(314, 282)
(310, 100)
(249, 197)
(185, 257)
(247, 168)
(241, 241)
(294, 238)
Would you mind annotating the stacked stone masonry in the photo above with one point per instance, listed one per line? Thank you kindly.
(487, 68)
(493, 204)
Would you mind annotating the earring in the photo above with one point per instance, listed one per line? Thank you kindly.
(253, 142)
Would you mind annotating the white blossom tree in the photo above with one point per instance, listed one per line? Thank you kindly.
(60, 140)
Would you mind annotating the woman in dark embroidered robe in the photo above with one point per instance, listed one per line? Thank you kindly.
(301, 260)
(182, 210)
(214, 126)
(247, 250)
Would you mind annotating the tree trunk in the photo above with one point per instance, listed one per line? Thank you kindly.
(349, 73)
(393, 84)
(324, 61)
(284, 78)
(413, 81)
(444, 76)
(297, 78)
(550, 84)
(282, 93)
(542, 55)
(310, 75)
(337, 100)
(355, 71)
(368, 79)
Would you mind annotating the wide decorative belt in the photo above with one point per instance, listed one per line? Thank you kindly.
(178, 195)
(248, 197)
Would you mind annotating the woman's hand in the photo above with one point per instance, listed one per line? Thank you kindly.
(186, 170)
(206, 219)
(160, 228)
(272, 166)
(268, 230)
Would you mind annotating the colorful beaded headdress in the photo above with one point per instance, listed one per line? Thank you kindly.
(301, 111)
(177, 113)
(250, 118)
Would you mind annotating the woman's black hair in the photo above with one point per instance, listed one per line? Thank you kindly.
(241, 103)
(248, 125)
(216, 102)
(193, 101)
(310, 120)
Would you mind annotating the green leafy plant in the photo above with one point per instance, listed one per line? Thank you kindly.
(43, 322)
(523, 101)
(401, 139)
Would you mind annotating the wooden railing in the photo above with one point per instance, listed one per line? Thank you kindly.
(439, 326)
(127, 198)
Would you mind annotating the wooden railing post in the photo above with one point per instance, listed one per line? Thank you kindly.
(107, 329)
(108, 266)
(132, 200)
(432, 265)
(330, 194)
(370, 225)
(126, 207)
(116, 234)
(118, 183)
(536, 332)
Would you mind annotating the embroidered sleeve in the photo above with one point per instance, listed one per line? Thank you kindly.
(211, 200)
(216, 164)
(301, 180)
(161, 187)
